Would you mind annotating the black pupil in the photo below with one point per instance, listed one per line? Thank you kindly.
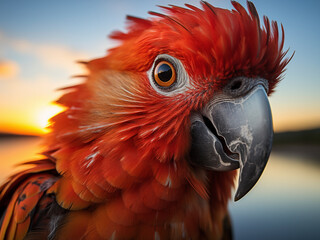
(164, 72)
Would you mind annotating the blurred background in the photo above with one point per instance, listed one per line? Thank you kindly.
(40, 41)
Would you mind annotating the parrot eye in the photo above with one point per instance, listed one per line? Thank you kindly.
(164, 74)
(167, 76)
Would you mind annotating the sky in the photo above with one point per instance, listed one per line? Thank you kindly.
(40, 41)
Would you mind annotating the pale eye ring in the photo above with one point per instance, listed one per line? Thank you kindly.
(167, 76)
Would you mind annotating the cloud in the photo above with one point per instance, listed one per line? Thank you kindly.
(51, 55)
(55, 56)
(8, 69)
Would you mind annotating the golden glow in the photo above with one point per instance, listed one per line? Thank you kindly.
(31, 120)
(45, 114)
(291, 119)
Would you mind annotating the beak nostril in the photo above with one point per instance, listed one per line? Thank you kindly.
(236, 85)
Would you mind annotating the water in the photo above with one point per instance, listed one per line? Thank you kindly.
(17, 150)
(284, 204)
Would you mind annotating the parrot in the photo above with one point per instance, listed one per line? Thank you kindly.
(153, 139)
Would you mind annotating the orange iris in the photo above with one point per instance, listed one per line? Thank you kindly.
(164, 74)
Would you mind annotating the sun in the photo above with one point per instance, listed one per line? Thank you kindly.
(30, 120)
(44, 115)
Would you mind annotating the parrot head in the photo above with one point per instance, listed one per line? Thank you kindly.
(182, 101)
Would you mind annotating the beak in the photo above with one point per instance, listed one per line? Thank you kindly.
(234, 130)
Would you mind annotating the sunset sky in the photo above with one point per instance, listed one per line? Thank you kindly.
(41, 40)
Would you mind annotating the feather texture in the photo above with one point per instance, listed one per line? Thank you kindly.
(118, 155)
